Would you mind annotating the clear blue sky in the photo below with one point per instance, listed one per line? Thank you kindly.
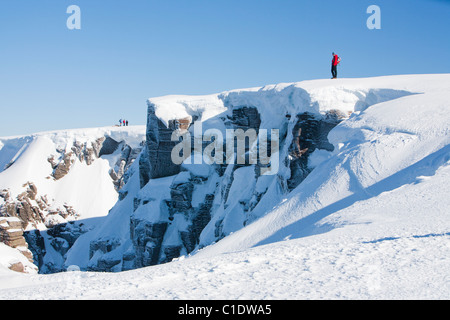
(129, 50)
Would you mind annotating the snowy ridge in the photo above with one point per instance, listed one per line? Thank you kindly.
(275, 101)
(12, 147)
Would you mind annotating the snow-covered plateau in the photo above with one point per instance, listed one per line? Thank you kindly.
(358, 208)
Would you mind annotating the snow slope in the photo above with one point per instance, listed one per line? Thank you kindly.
(371, 221)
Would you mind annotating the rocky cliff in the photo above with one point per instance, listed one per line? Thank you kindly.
(169, 210)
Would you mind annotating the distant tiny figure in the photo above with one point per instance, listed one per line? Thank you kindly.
(334, 63)
(120, 122)
(126, 123)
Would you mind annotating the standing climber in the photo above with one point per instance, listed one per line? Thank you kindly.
(126, 122)
(120, 122)
(334, 63)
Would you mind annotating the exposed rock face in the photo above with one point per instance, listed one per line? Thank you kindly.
(36, 244)
(310, 133)
(104, 246)
(58, 239)
(83, 151)
(11, 234)
(156, 160)
(108, 146)
(33, 209)
(127, 157)
(17, 267)
(245, 118)
(147, 238)
(62, 168)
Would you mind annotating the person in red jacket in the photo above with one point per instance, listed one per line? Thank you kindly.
(334, 64)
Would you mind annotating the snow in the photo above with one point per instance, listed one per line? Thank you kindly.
(317, 157)
(88, 188)
(371, 221)
(275, 101)
(180, 107)
(131, 134)
(10, 256)
(345, 263)
(156, 191)
(195, 164)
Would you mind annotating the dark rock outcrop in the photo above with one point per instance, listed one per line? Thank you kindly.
(156, 161)
(147, 238)
(33, 209)
(310, 133)
(127, 157)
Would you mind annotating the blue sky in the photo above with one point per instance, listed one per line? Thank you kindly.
(129, 50)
